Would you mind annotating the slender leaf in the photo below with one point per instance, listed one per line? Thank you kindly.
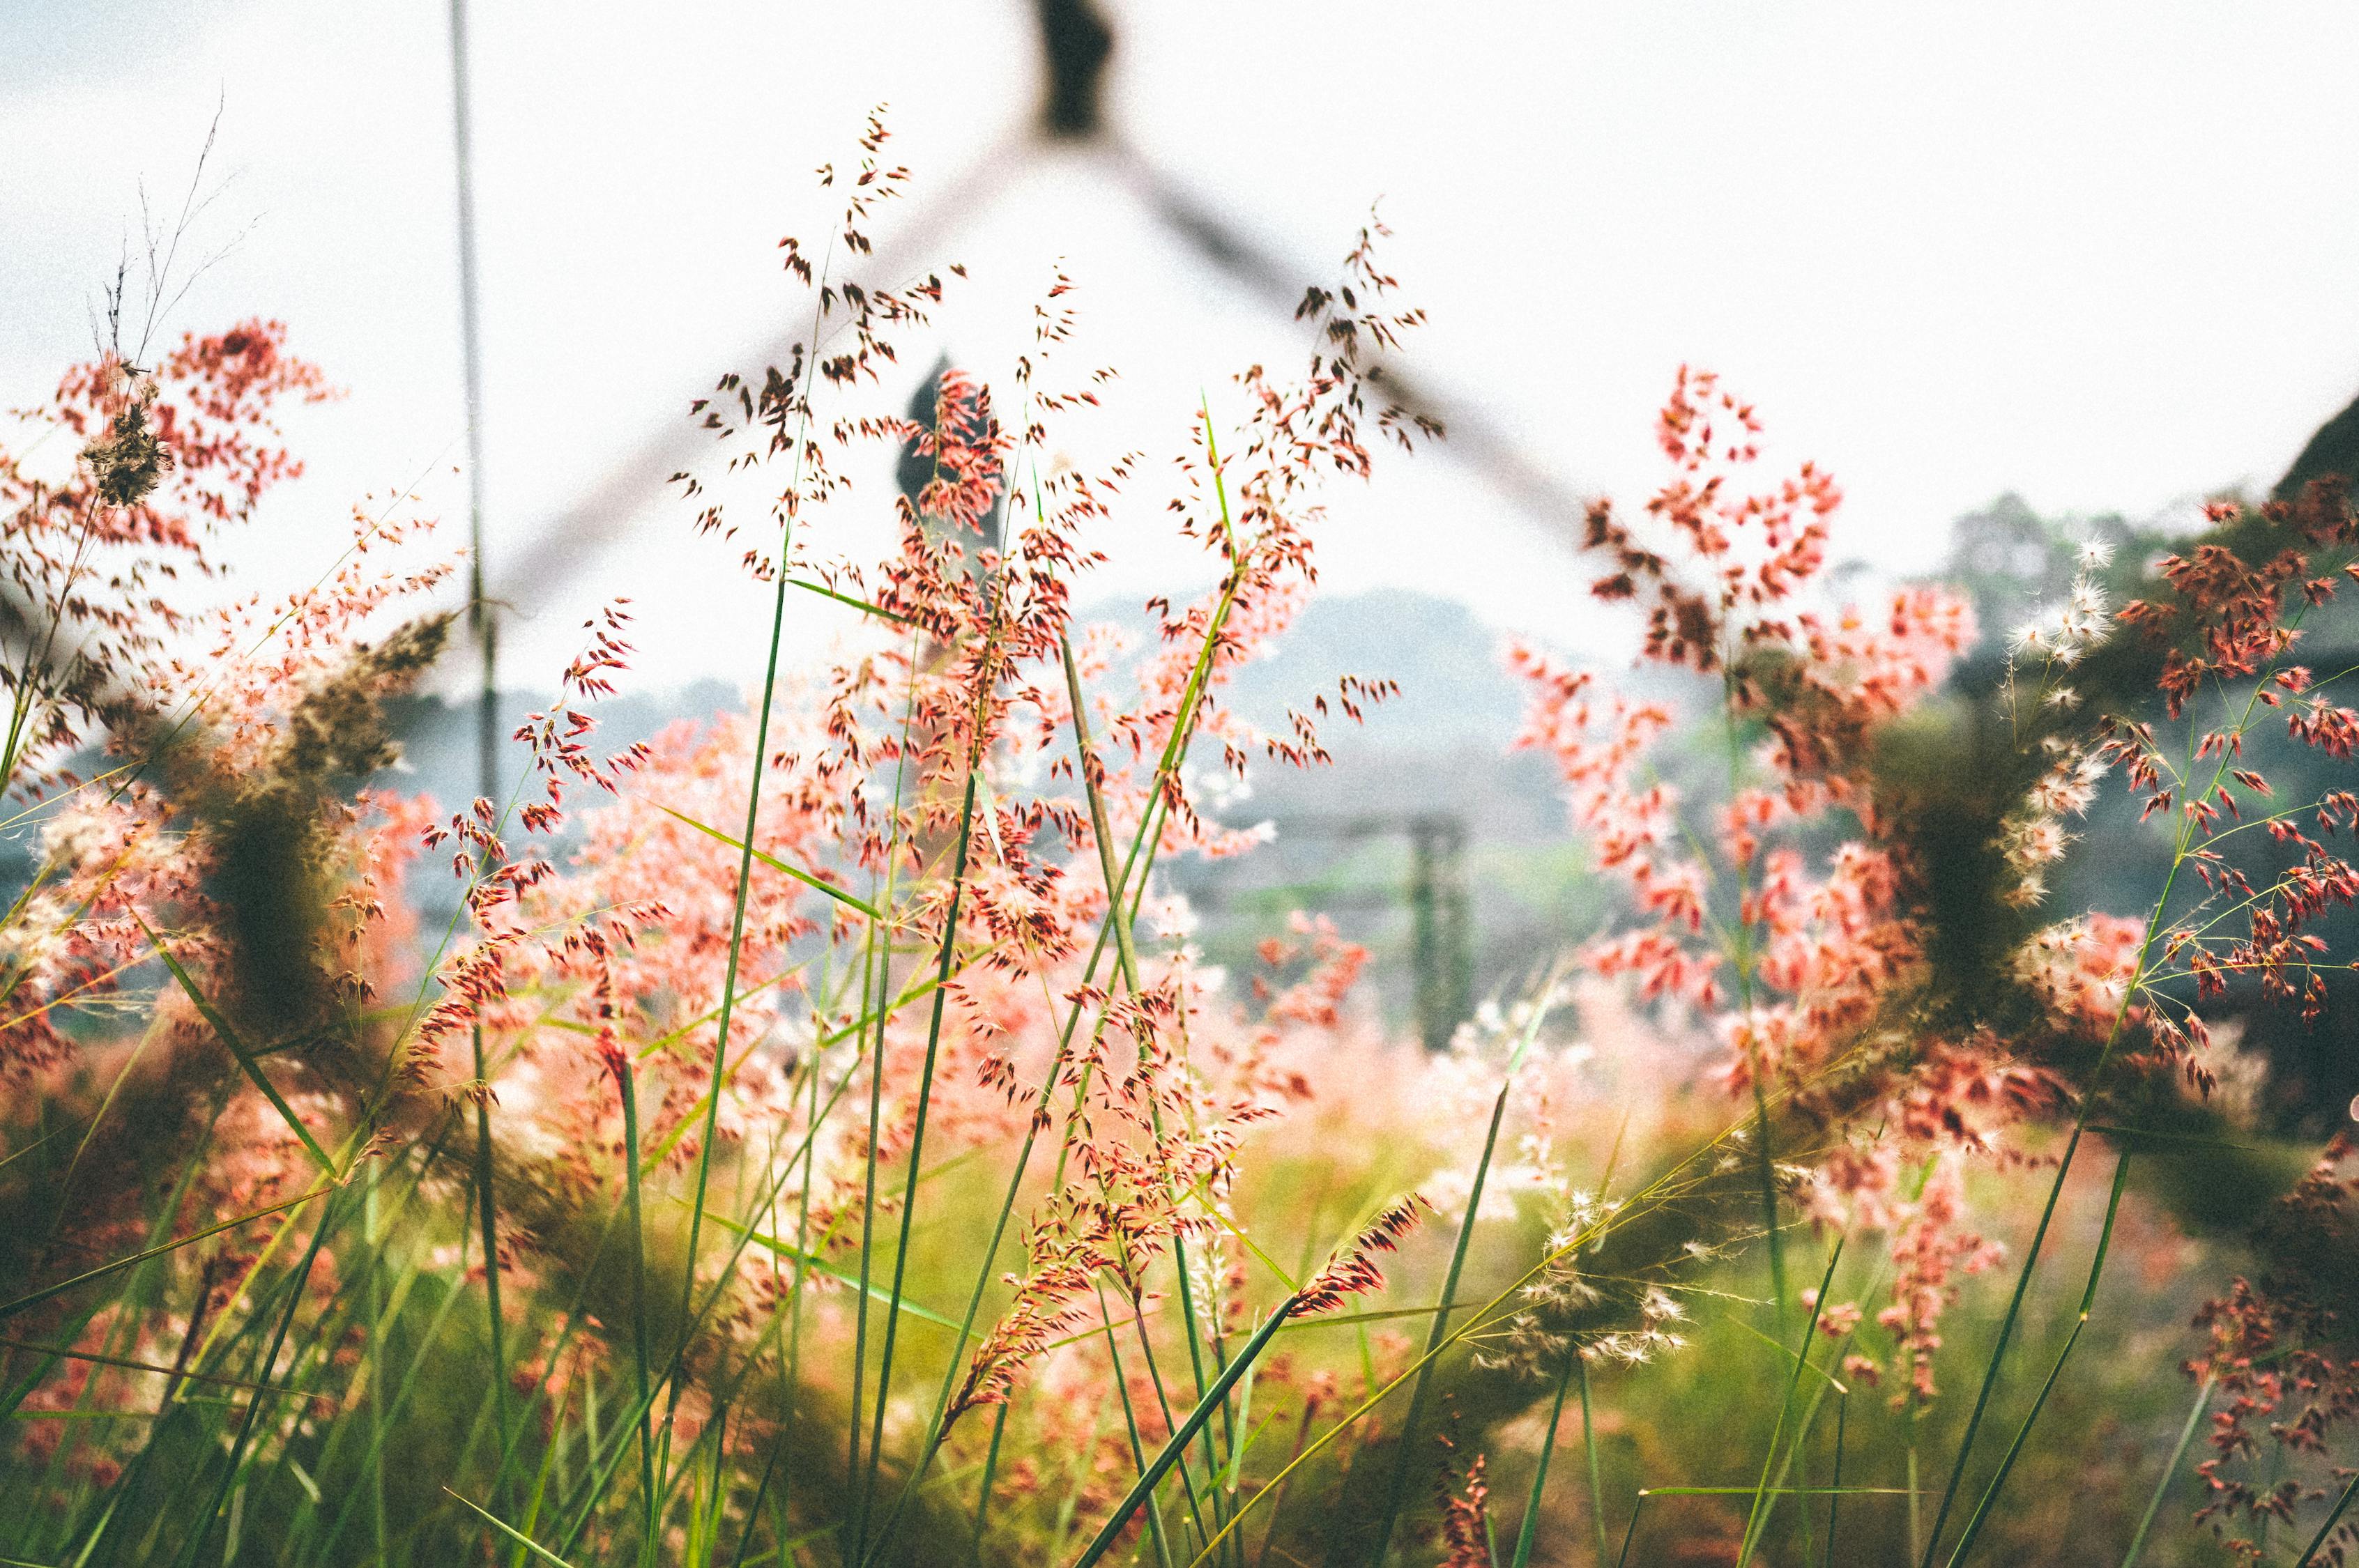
(229, 1037)
(1169, 1454)
(2170, 1471)
(811, 1262)
(2319, 1540)
(822, 885)
(522, 1540)
(2088, 1300)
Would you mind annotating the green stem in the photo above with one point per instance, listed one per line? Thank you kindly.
(990, 1466)
(2169, 1470)
(1596, 1484)
(2327, 1528)
(1434, 1336)
(1835, 1490)
(486, 1216)
(1531, 1524)
(917, 1143)
(235, 1464)
(2088, 1299)
(1758, 1522)
(1169, 1455)
(641, 1354)
(1145, 1491)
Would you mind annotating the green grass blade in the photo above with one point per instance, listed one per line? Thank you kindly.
(185, 1375)
(2327, 1528)
(1834, 1499)
(641, 1355)
(1589, 1444)
(235, 1466)
(2170, 1471)
(487, 1208)
(2136, 1135)
(1785, 1354)
(1439, 1331)
(1531, 1524)
(522, 1540)
(229, 1038)
(1630, 1533)
(49, 1292)
(1154, 1530)
(811, 1261)
(1778, 1491)
(2088, 1299)
(917, 1140)
(982, 1492)
(410, 1377)
(1757, 1520)
(936, 1427)
(1169, 1454)
(818, 883)
(860, 604)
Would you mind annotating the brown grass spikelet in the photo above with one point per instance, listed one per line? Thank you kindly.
(1351, 1271)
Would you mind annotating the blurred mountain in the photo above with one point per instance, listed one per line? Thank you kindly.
(438, 737)
(1455, 691)
(2332, 449)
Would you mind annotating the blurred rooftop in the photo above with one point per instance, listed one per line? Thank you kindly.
(1949, 254)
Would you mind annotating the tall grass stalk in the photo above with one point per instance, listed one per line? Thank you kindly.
(2184, 845)
(1834, 1486)
(1757, 1517)
(1438, 1334)
(642, 1355)
(487, 1206)
(746, 853)
(1529, 1529)
(876, 983)
(2169, 1470)
(1114, 925)
(2326, 1526)
(1589, 1451)
(917, 1153)
(2080, 1322)
(1152, 1473)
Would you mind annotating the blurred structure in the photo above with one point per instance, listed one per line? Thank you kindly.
(1442, 917)
(1076, 46)
(1434, 891)
(1076, 43)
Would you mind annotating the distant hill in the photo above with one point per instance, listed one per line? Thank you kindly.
(1455, 692)
(438, 737)
(1437, 750)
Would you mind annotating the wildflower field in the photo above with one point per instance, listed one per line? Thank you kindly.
(813, 1135)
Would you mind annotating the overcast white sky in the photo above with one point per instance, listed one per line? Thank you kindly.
(2104, 254)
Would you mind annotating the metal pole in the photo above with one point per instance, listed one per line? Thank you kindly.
(480, 621)
(1442, 933)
